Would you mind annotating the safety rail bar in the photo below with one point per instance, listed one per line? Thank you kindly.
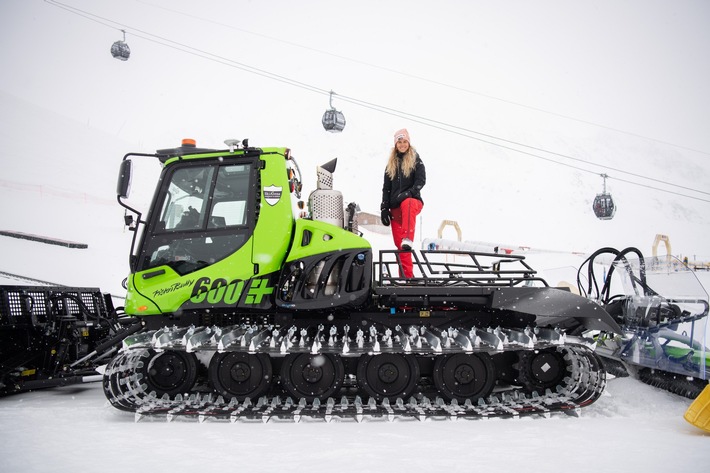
(455, 268)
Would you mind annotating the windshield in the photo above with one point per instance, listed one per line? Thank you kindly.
(204, 216)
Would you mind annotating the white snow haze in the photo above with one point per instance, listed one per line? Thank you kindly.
(516, 108)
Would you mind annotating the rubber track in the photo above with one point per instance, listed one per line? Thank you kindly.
(672, 382)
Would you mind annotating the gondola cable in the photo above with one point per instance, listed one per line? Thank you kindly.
(382, 109)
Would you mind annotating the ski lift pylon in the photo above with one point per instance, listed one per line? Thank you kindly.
(120, 49)
(604, 206)
(333, 120)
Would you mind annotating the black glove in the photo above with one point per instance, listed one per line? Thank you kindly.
(385, 215)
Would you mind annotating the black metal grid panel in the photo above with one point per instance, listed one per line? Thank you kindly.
(20, 305)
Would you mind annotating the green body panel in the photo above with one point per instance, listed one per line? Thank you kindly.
(168, 292)
(244, 278)
(274, 229)
(323, 238)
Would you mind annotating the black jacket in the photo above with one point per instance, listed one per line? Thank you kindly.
(394, 191)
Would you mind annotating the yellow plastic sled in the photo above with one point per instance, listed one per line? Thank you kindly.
(698, 413)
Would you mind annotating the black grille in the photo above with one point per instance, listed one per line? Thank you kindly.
(32, 305)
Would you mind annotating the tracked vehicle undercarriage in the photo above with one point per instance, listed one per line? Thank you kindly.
(556, 379)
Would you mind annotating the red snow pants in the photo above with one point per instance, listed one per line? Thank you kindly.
(403, 221)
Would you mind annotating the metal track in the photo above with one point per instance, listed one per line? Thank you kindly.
(127, 390)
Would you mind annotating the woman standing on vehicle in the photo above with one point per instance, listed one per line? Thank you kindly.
(405, 176)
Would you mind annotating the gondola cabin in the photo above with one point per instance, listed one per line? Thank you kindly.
(604, 207)
(333, 120)
(120, 49)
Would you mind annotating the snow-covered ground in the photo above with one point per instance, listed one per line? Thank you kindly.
(632, 427)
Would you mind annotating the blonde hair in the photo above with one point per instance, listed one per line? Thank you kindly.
(409, 162)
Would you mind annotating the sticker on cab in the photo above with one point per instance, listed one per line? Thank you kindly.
(272, 194)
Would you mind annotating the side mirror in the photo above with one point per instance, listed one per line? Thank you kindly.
(128, 220)
(123, 188)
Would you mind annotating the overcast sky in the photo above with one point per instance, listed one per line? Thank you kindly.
(615, 83)
(638, 66)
